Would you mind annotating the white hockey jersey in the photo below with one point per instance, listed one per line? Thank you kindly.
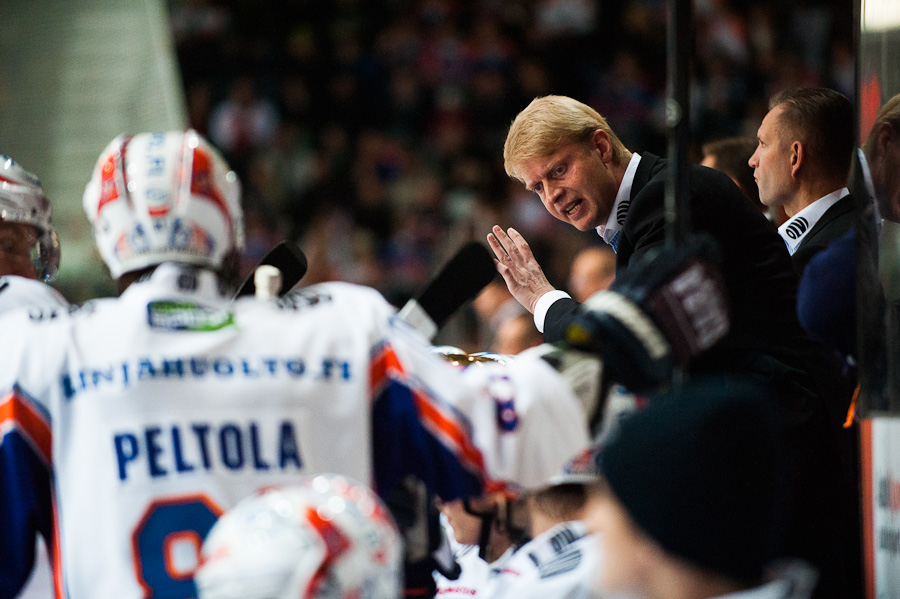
(473, 577)
(19, 292)
(15, 293)
(559, 563)
(526, 420)
(528, 424)
(130, 424)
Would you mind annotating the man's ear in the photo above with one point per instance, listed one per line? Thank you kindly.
(885, 137)
(798, 156)
(601, 141)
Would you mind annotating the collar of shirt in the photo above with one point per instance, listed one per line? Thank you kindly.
(623, 200)
(175, 280)
(794, 229)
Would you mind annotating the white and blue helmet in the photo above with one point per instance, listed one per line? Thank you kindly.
(160, 197)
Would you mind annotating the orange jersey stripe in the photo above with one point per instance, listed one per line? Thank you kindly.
(384, 362)
(56, 554)
(14, 409)
(434, 418)
(450, 430)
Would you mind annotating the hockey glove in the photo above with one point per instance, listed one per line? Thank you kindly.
(666, 308)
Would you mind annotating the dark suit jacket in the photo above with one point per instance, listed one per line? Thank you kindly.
(765, 342)
(836, 221)
(755, 263)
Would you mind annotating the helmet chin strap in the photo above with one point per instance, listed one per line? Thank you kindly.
(518, 535)
(484, 532)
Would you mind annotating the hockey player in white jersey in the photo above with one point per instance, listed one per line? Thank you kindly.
(129, 425)
(29, 247)
(532, 425)
(560, 558)
(29, 260)
(477, 547)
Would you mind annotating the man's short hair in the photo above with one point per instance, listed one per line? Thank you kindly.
(561, 503)
(823, 120)
(889, 114)
(549, 123)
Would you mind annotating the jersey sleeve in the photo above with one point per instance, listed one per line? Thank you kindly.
(25, 493)
(415, 428)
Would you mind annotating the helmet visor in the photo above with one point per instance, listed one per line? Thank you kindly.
(29, 233)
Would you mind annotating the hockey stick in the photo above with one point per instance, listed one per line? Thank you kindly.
(287, 258)
(460, 280)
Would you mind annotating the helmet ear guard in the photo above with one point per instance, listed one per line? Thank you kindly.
(160, 197)
(22, 200)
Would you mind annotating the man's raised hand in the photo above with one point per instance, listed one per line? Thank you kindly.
(515, 262)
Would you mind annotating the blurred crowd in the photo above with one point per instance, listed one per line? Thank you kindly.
(372, 132)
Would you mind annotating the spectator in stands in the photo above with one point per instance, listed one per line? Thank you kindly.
(243, 122)
(593, 270)
(515, 334)
(494, 306)
(731, 155)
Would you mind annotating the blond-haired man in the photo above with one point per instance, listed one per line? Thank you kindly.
(566, 153)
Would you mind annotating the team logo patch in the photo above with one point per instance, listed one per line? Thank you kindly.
(559, 555)
(622, 212)
(797, 228)
(303, 298)
(185, 316)
(501, 389)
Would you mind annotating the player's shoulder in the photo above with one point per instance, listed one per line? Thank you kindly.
(555, 552)
(340, 290)
(344, 309)
(334, 295)
(27, 306)
(19, 292)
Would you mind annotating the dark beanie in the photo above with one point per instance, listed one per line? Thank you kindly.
(702, 471)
